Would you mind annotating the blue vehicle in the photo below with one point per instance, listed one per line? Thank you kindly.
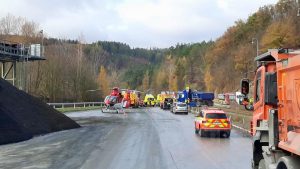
(204, 98)
(195, 98)
(182, 96)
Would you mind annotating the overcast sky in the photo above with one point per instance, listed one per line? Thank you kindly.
(139, 23)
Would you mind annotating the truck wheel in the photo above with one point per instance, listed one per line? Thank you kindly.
(225, 134)
(262, 164)
(202, 133)
(186, 113)
(206, 103)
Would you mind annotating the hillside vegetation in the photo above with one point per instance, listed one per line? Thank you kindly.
(78, 71)
(232, 55)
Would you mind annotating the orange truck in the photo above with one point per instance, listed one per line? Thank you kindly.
(275, 126)
(132, 98)
(135, 99)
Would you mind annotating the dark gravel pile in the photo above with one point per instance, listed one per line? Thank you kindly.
(23, 116)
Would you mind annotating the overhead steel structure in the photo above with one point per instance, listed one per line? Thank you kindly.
(11, 53)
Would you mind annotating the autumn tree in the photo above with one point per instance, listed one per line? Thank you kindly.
(281, 34)
(243, 58)
(208, 80)
(145, 82)
(180, 72)
(173, 83)
(103, 81)
(161, 81)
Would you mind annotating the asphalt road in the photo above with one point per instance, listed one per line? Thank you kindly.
(147, 138)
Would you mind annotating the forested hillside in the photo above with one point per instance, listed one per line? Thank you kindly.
(76, 71)
(233, 54)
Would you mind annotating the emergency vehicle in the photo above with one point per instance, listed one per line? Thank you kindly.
(212, 120)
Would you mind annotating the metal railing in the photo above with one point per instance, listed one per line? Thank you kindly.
(13, 49)
(76, 105)
(20, 52)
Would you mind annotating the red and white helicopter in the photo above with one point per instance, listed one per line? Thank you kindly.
(113, 102)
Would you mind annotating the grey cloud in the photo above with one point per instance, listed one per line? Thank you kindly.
(115, 20)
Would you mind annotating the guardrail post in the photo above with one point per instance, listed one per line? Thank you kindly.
(74, 105)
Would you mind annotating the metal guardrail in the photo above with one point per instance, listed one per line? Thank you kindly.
(13, 49)
(244, 122)
(76, 105)
(241, 128)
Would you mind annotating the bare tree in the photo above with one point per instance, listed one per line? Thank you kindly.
(29, 29)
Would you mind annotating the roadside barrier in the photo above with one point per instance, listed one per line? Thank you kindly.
(75, 105)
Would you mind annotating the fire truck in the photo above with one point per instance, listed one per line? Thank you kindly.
(167, 98)
(131, 98)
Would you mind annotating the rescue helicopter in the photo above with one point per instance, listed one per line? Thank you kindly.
(113, 102)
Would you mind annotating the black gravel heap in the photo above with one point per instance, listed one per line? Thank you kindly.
(23, 116)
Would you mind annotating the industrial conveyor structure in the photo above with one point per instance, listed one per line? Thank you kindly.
(11, 53)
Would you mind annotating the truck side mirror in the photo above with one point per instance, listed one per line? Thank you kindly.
(245, 86)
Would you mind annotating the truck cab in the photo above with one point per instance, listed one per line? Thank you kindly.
(166, 99)
(276, 118)
(167, 103)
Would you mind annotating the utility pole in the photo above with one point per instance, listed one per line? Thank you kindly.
(42, 45)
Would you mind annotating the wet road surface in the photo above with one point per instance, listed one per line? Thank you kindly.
(148, 138)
